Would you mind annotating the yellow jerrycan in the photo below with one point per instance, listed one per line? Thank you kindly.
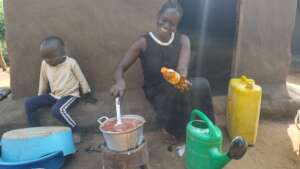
(243, 108)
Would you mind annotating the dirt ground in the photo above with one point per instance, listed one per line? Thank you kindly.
(273, 149)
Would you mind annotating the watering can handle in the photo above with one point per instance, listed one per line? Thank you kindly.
(100, 120)
(204, 118)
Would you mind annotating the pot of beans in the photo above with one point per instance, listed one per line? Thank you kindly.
(124, 136)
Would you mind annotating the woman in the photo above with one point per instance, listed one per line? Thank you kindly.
(166, 47)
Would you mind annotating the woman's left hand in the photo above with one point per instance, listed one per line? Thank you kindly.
(184, 85)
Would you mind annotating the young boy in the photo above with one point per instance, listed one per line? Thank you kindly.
(63, 76)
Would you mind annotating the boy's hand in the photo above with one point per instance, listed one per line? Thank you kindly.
(88, 98)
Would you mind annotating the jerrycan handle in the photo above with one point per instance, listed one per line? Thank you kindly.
(207, 121)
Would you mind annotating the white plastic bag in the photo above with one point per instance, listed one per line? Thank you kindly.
(294, 133)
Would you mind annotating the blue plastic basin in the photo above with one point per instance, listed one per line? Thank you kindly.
(32, 143)
(51, 161)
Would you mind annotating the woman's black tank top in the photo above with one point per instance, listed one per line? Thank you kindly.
(155, 56)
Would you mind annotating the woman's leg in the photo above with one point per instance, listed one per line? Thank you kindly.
(200, 97)
(167, 103)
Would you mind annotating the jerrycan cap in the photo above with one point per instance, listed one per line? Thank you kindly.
(249, 82)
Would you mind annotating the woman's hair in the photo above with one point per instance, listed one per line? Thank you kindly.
(171, 4)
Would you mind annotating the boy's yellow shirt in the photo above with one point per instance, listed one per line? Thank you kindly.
(63, 79)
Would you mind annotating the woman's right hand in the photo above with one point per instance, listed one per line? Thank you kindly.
(118, 89)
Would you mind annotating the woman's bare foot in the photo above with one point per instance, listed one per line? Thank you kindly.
(170, 139)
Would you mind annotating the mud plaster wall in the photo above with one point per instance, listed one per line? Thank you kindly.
(264, 39)
(97, 33)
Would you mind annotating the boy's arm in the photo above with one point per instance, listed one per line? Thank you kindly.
(43, 84)
(82, 81)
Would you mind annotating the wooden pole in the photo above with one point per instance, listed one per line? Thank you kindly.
(2, 61)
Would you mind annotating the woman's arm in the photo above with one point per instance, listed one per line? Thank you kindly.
(128, 59)
(184, 56)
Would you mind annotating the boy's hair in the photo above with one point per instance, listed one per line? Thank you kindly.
(51, 38)
(171, 4)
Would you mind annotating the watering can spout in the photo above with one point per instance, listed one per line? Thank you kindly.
(220, 159)
(238, 148)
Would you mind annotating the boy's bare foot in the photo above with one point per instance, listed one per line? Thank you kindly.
(170, 139)
(77, 137)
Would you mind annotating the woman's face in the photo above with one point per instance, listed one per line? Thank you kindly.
(167, 22)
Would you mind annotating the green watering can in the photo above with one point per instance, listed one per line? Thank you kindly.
(204, 142)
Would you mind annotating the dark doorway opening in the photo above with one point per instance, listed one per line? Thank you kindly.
(296, 43)
(293, 79)
(211, 26)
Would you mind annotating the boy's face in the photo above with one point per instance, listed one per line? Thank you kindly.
(53, 53)
(167, 22)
